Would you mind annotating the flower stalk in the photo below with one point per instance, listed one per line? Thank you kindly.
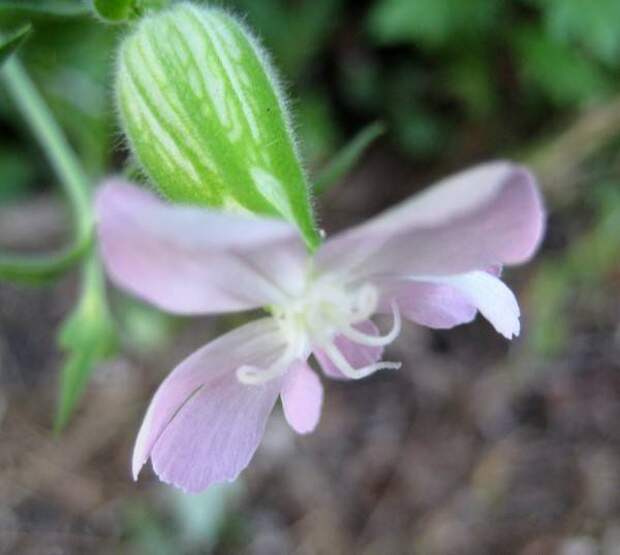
(69, 171)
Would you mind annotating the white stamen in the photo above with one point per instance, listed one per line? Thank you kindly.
(343, 365)
(376, 340)
(328, 307)
(366, 303)
(249, 376)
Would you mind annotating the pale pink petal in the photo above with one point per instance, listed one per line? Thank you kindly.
(302, 397)
(491, 297)
(215, 434)
(489, 215)
(202, 402)
(192, 260)
(429, 304)
(357, 355)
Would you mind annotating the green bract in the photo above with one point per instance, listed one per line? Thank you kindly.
(206, 118)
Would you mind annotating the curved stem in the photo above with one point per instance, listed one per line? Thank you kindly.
(66, 166)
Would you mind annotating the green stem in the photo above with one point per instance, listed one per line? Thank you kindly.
(66, 166)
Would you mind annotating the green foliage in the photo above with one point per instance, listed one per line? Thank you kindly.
(15, 174)
(348, 156)
(114, 11)
(563, 74)
(431, 23)
(317, 125)
(70, 59)
(592, 25)
(480, 61)
(12, 42)
(469, 78)
(294, 32)
(122, 11)
(144, 327)
(47, 7)
(88, 336)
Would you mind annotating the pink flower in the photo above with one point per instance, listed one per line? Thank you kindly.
(434, 259)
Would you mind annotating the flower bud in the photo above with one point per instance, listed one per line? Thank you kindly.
(206, 118)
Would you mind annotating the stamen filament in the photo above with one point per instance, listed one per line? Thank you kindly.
(250, 376)
(343, 365)
(367, 299)
(376, 340)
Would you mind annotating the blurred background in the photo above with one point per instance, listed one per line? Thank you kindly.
(477, 446)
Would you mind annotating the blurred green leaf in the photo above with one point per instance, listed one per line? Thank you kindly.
(469, 78)
(431, 23)
(419, 132)
(560, 72)
(16, 174)
(113, 11)
(294, 32)
(144, 327)
(362, 81)
(12, 42)
(317, 127)
(72, 60)
(53, 7)
(592, 25)
(347, 157)
(88, 336)
(122, 11)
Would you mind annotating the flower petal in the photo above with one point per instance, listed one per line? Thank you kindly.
(357, 355)
(192, 260)
(490, 295)
(491, 214)
(428, 304)
(203, 425)
(302, 397)
(215, 434)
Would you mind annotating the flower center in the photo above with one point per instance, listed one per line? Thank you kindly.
(312, 320)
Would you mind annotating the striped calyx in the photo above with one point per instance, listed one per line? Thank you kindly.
(206, 118)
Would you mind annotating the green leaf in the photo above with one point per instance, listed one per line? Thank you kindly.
(88, 336)
(317, 127)
(295, 31)
(560, 72)
(11, 43)
(52, 7)
(113, 11)
(591, 25)
(431, 23)
(348, 156)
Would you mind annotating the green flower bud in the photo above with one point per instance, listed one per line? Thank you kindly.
(206, 118)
